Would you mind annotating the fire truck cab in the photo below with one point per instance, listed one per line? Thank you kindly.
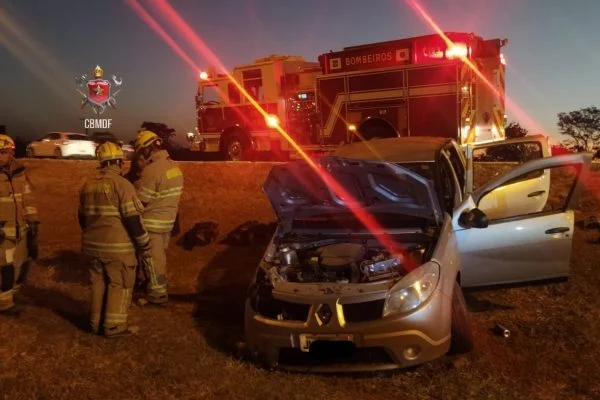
(229, 123)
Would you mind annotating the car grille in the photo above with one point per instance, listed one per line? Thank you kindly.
(333, 353)
(282, 310)
(361, 312)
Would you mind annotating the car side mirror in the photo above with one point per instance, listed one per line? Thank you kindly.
(474, 218)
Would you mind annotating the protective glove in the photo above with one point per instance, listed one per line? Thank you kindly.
(145, 251)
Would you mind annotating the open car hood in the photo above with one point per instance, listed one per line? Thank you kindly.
(296, 190)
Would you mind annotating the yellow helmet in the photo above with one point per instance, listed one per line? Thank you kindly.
(6, 143)
(145, 139)
(109, 151)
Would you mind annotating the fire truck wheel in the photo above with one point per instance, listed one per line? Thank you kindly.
(237, 148)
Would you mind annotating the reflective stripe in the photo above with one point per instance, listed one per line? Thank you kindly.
(159, 225)
(129, 208)
(142, 240)
(11, 198)
(147, 193)
(115, 319)
(170, 192)
(97, 209)
(109, 247)
(30, 210)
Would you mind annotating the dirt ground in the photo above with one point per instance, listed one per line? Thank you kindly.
(187, 350)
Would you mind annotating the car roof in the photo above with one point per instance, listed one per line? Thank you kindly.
(399, 149)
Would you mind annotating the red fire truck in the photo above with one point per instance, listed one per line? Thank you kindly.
(418, 86)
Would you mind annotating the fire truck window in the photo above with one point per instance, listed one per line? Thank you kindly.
(234, 94)
(210, 95)
(253, 83)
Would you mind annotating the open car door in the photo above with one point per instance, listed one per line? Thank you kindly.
(487, 161)
(500, 244)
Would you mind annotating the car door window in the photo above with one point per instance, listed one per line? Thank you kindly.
(495, 160)
(509, 201)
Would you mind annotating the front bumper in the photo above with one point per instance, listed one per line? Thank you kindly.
(376, 345)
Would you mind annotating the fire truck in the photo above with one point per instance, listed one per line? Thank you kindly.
(419, 86)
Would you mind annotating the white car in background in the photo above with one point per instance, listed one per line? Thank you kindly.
(62, 145)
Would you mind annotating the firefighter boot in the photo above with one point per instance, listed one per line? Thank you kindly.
(7, 280)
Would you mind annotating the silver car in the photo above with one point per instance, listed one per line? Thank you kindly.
(365, 272)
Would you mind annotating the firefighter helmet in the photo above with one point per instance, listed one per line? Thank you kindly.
(145, 139)
(6, 143)
(109, 151)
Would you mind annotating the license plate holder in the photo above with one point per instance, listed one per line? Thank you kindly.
(306, 339)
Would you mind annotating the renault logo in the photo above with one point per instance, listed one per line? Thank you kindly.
(324, 314)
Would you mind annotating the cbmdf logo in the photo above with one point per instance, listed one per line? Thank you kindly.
(99, 93)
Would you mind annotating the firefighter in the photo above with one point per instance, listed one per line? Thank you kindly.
(18, 223)
(110, 218)
(159, 188)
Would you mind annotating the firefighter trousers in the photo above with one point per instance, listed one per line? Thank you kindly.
(112, 288)
(156, 271)
(13, 270)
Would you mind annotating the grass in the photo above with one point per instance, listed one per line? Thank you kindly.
(187, 349)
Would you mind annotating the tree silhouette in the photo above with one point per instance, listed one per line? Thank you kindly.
(583, 128)
(515, 130)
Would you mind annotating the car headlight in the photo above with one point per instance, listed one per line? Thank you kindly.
(412, 290)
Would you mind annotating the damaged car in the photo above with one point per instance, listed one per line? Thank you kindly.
(366, 266)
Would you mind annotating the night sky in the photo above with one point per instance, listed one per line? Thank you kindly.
(553, 53)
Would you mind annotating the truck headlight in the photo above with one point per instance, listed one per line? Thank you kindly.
(412, 290)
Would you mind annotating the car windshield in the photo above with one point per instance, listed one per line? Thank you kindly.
(425, 169)
(78, 137)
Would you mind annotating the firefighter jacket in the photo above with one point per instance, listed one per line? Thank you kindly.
(159, 188)
(17, 205)
(110, 217)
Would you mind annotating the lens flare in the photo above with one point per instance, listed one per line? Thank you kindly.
(177, 23)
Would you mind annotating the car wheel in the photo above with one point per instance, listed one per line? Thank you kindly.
(237, 148)
(461, 340)
(58, 153)
(29, 153)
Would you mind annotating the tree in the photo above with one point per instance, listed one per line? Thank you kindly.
(513, 152)
(515, 130)
(583, 127)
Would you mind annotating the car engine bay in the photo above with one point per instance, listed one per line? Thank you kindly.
(347, 260)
